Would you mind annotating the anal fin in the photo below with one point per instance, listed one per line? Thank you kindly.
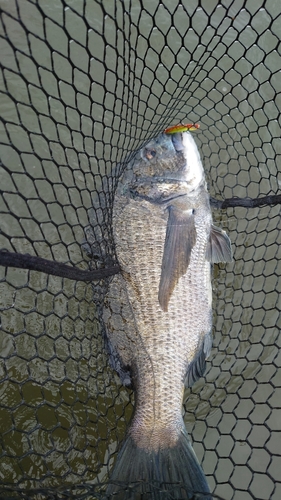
(197, 368)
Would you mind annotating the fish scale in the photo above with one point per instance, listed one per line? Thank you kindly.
(161, 366)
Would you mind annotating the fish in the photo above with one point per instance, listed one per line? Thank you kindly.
(158, 311)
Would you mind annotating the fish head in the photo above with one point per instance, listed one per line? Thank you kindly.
(173, 156)
(171, 163)
(158, 158)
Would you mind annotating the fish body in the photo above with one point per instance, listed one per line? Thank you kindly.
(158, 311)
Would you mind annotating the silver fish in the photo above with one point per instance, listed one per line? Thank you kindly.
(158, 311)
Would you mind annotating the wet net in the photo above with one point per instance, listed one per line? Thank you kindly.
(84, 83)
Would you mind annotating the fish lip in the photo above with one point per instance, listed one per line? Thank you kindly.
(177, 141)
(168, 177)
(164, 201)
(172, 198)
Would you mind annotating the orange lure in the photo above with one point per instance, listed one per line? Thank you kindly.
(182, 128)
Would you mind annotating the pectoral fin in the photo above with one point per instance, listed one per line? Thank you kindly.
(219, 246)
(180, 239)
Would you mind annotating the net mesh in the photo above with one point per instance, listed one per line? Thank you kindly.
(83, 84)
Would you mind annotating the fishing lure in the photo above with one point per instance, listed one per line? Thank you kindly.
(182, 128)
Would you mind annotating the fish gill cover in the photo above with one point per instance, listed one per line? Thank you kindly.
(84, 84)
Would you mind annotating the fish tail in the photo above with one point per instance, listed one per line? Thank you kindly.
(169, 473)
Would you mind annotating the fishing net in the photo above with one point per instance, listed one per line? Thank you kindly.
(84, 83)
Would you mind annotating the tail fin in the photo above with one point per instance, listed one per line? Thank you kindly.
(152, 475)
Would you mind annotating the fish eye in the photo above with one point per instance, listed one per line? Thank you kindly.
(150, 153)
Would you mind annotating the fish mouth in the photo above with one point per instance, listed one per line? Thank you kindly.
(177, 142)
